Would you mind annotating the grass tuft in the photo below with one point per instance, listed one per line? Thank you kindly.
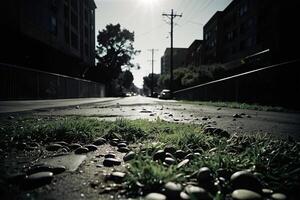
(276, 161)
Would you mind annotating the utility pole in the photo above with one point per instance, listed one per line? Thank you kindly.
(152, 62)
(171, 17)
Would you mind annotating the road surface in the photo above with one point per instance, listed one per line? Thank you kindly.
(138, 107)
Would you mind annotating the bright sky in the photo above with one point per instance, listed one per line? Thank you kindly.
(151, 29)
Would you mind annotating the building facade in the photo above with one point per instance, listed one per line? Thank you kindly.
(50, 35)
(194, 53)
(179, 59)
(212, 31)
(247, 27)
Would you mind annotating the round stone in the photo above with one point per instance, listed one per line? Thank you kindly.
(159, 155)
(245, 180)
(129, 156)
(110, 155)
(189, 156)
(63, 143)
(183, 163)
(184, 196)
(237, 116)
(117, 176)
(196, 192)
(113, 143)
(121, 145)
(91, 147)
(279, 196)
(169, 161)
(155, 196)
(180, 154)
(123, 149)
(99, 141)
(170, 149)
(243, 194)
(204, 174)
(53, 147)
(81, 150)
(267, 191)
(42, 168)
(172, 190)
(58, 169)
(37, 180)
(74, 146)
(169, 155)
(109, 162)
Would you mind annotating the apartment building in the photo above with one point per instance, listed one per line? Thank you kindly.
(50, 35)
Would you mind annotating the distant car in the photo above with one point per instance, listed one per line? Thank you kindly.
(155, 95)
(165, 94)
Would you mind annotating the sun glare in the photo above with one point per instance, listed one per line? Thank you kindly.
(148, 2)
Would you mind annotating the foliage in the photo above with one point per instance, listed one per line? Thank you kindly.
(114, 51)
(126, 79)
(148, 82)
(192, 75)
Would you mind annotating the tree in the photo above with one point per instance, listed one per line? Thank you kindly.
(126, 79)
(114, 51)
(148, 82)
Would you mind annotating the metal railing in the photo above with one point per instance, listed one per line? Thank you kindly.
(24, 83)
(277, 84)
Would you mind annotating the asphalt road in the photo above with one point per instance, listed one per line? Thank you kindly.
(138, 107)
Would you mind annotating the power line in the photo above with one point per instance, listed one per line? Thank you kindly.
(171, 16)
(148, 32)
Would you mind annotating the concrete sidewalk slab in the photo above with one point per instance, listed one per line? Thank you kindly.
(27, 105)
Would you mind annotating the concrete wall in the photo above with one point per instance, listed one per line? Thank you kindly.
(273, 85)
(23, 83)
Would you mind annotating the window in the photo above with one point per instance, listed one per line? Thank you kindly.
(207, 36)
(53, 25)
(74, 4)
(86, 15)
(66, 12)
(54, 5)
(74, 20)
(86, 32)
(233, 50)
(230, 36)
(249, 42)
(250, 23)
(243, 10)
(243, 45)
(86, 49)
(67, 34)
(243, 28)
(74, 40)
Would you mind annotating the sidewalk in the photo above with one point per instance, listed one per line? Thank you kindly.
(27, 105)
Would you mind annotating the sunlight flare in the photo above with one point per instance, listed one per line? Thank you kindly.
(149, 2)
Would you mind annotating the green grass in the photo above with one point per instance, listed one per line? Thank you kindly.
(238, 105)
(276, 161)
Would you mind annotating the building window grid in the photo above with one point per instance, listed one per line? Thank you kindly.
(74, 40)
(243, 9)
(74, 20)
(53, 25)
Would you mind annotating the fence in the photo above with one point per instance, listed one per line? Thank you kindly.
(23, 83)
(273, 85)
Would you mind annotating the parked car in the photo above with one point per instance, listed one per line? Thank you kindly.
(165, 94)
